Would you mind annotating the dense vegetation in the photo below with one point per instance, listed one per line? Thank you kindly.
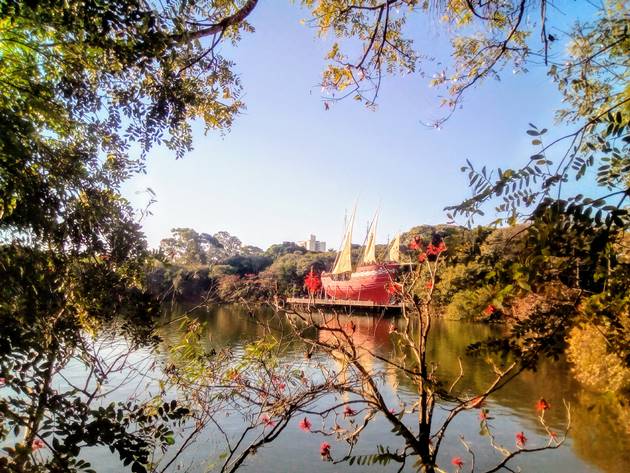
(238, 273)
(82, 84)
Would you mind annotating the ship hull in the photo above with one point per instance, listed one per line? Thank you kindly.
(367, 283)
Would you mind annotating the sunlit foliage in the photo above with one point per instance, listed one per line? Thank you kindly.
(86, 90)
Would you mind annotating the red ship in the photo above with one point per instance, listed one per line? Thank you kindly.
(372, 280)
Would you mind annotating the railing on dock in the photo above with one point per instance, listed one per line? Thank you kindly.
(332, 303)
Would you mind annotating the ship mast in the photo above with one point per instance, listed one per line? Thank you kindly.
(343, 263)
(394, 249)
(369, 254)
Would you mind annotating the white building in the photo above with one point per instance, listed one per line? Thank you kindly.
(312, 244)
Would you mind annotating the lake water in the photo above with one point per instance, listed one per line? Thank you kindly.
(598, 441)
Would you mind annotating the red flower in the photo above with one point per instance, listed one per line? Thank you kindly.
(458, 462)
(542, 406)
(349, 412)
(429, 285)
(3, 381)
(267, 421)
(278, 383)
(553, 435)
(489, 310)
(312, 282)
(416, 243)
(483, 414)
(324, 451)
(422, 257)
(392, 288)
(37, 444)
(521, 440)
(351, 327)
(305, 425)
(436, 249)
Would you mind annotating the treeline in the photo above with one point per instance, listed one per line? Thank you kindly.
(219, 268)
(191, 265)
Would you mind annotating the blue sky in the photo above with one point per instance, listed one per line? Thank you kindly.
(289, 168)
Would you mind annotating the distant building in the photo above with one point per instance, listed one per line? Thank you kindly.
(312, 244)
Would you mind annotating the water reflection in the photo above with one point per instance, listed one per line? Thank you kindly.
(598, 440)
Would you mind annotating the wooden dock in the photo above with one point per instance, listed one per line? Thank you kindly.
(346, 304)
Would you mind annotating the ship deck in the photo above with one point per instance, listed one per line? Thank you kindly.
(318, 303)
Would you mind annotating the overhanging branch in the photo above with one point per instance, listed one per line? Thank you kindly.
(226, 22)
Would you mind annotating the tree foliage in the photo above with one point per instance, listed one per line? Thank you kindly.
(188, 247)
(86, 90)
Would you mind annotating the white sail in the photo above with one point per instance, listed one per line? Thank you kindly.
(343, 264)
(369, 254)
(394, 249)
